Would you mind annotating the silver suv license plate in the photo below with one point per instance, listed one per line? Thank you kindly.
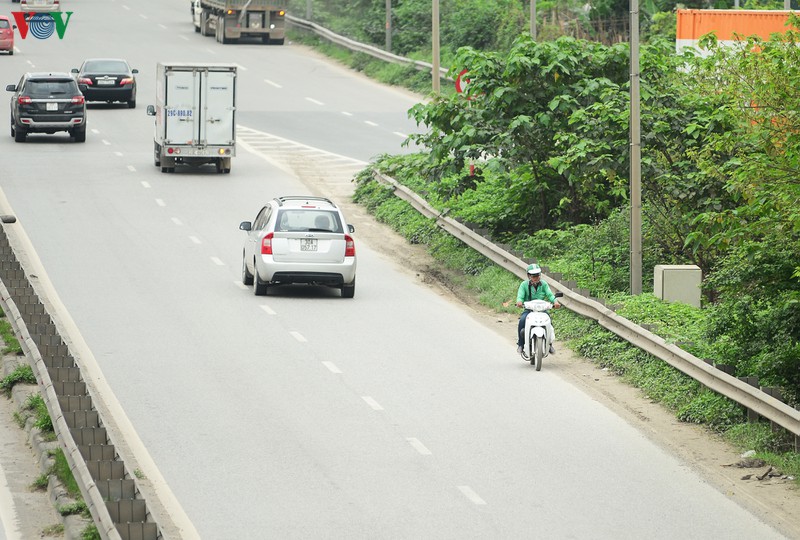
(308, 244)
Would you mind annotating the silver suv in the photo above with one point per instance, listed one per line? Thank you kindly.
(299, 239)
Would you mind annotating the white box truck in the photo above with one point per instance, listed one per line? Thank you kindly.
(195, 115)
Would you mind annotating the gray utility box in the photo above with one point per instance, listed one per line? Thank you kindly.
(678, 283)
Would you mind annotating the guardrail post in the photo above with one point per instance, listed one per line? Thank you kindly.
(726, 368)
(752, 416)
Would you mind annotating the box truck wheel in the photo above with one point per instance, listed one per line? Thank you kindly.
(223, 165)
(221, 32)
(167, 164)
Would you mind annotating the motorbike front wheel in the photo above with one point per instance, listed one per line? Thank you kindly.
(537, 352)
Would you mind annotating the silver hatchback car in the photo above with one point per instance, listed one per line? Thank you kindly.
(299, 239)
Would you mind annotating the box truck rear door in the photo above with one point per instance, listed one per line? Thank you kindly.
(181, 106)
(218, 126)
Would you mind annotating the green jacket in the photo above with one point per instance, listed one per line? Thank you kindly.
(527, 292)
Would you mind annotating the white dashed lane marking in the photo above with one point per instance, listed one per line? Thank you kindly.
(314, 101)
(269, 82)
(145, 184)
(217, 261)
(195, 240)
(372, 403)
(418, 446)
(332, 367)
(131, 168)
(471, 495)
(268, 310)
(160, 202)
(177, 222)
(298, 336)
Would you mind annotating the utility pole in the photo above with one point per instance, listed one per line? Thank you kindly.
(533, 19)
(388, 25)
(435, 39)
(636, 157)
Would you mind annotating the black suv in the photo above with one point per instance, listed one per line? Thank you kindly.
(47, 103)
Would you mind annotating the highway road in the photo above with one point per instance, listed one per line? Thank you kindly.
(302, 414)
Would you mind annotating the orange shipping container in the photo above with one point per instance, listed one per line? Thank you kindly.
(730, 25)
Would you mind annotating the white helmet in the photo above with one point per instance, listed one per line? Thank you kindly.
(534, 270)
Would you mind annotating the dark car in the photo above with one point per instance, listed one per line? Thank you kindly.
(47, 103)
(108, 79)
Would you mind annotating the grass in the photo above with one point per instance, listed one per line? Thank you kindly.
(36, 404)
(90, 533)
(53, 530)
(40, 484)
(64, 474)
(23, 374)
(75, 508)
(20, 419)
(492, 285)
(10, 339)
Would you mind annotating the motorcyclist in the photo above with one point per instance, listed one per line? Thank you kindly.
(534, 288)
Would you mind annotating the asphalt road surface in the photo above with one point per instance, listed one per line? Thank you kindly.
(301, 414)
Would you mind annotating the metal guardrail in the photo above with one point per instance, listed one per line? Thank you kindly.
(362, 47)
(729, 386)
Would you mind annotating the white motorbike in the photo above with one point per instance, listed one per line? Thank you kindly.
(536, 339)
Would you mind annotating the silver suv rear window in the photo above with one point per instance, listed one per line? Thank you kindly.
(296, 220)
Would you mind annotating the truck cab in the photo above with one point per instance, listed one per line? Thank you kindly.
(196, 10)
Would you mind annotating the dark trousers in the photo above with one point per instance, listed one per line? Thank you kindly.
(521, 327)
